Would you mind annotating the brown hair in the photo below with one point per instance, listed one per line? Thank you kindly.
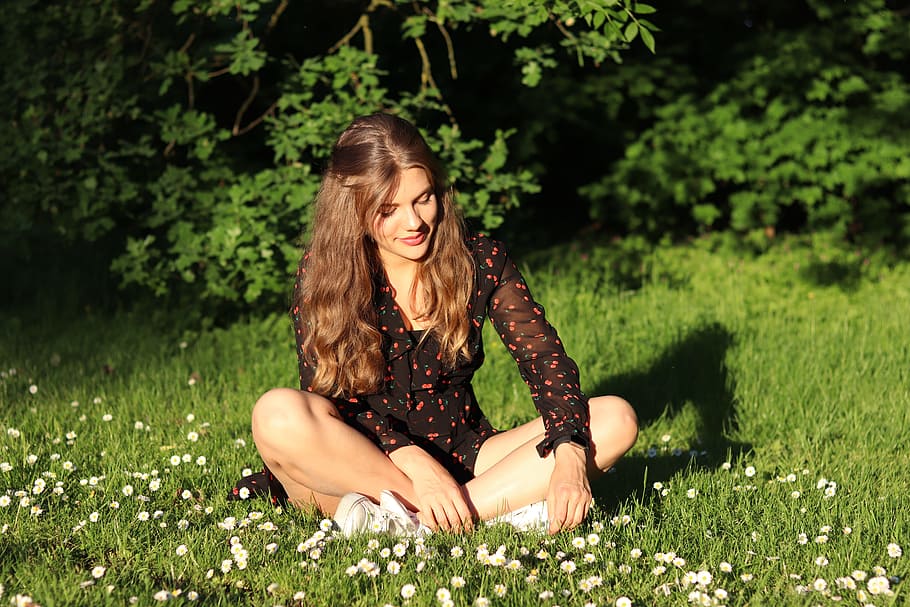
(336, 298)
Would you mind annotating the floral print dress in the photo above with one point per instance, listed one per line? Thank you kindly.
(424, 403)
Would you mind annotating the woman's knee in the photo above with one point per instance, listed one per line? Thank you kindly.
(283, 410)
(614, 424)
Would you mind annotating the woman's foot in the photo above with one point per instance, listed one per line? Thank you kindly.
(356, 514)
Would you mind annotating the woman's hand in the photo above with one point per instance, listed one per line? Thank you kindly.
(440, 499)
(569, 495)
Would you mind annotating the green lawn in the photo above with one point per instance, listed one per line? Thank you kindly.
(772, 467)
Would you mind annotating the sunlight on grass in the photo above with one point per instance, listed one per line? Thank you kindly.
(771, 467)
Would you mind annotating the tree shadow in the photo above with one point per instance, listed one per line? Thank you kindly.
(845, 275)
(692, 371)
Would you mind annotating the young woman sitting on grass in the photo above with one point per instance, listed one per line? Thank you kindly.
(389, 302)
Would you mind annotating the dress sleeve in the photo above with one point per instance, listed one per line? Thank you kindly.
(543, 363)
(383, 430)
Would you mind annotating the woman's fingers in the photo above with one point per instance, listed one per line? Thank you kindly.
(567, 508)
(448, 514)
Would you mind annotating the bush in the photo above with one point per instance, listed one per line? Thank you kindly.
(803, 133)
(193, 133)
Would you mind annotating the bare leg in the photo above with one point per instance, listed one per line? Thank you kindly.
(318, 457)
(315, 455)
(510, 473)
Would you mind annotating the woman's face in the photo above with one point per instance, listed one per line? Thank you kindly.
(403, 228)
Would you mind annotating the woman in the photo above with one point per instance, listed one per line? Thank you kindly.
(390, 299)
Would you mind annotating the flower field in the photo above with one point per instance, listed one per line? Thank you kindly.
(772, 467)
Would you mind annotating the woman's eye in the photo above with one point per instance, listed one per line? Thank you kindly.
(386, 212)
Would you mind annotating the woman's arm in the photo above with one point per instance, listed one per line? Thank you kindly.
(550, 374)
(552, 378)
(440, 500)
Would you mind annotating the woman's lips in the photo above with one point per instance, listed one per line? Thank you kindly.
(416, 240)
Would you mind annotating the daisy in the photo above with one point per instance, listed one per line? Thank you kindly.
(408, 591)
(894, 550)
(878, 585)
(623, 601)
(98, 572)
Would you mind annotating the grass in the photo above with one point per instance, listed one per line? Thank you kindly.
(772, 393)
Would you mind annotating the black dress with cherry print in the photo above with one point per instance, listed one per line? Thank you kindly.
(424, 403)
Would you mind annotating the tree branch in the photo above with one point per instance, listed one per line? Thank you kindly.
(347, 37)
(363, 23)
(254, 123)
(245, 106)
(450, 48)
(273, 20)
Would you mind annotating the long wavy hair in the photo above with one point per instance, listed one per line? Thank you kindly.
(336, 299)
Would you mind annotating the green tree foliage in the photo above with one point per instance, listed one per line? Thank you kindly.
(192, 133)
(799, 122)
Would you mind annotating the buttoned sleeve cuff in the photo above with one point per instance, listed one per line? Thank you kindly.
(581, 437)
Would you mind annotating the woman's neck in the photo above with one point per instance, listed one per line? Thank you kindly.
(404, 284)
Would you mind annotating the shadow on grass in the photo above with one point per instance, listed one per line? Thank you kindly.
(691, 371)
(845, 275)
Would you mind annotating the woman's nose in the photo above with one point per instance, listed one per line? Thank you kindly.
(413, 219)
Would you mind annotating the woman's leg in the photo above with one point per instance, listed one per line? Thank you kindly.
(315, 455)
(510, 474)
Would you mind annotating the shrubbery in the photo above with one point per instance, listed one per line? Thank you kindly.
(805, 131)
(194, 132)
(185, 139)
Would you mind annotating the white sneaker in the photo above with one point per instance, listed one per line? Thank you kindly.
(357, 514)
(533, 517)
(392, 504)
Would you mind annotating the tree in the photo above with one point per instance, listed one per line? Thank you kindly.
(191, 134)
(793, 123)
